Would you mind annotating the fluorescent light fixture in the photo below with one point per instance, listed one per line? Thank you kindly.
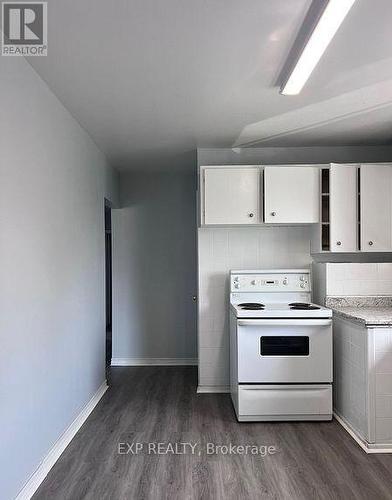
(328, 24)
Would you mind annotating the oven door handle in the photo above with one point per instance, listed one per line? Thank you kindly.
(284, 322)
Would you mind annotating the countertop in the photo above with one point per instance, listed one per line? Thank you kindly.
(369, 311)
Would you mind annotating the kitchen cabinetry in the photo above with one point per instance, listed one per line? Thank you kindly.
(363, 382)
(356, 209)
(291, 194)
(338, 229)
(349, 205)
(376, 208)
(232, 195)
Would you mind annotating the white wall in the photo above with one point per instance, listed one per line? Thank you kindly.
(352, 279)
(154, 266)
(53, 181)
(223, 249)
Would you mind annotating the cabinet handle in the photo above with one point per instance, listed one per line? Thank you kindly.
(251, 214)
(273, 214)
(338, 243)
(370, 243)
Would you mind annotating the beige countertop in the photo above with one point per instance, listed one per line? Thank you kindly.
(369, 311)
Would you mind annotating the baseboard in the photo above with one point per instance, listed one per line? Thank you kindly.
(154, 361)
(213, 389)
(367, 447)
(54, 454)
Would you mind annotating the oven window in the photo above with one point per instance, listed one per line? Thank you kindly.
(284, 346)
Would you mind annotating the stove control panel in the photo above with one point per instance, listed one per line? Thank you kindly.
(270, 282)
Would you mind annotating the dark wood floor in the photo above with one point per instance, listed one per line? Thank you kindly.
(160, 404)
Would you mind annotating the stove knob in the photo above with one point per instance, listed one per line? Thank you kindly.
(236, 285)
(285, 281)
(253, 282)
(302, 285)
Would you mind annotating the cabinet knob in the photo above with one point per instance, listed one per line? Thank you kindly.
(251, 214)
(273, 214)
(370, 243)
(338, 243)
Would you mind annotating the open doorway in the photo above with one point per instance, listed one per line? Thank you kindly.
(108, 287)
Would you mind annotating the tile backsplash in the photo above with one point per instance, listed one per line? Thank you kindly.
(219, 251)
(352, 279)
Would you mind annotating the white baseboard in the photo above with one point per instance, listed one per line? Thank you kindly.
(368, 448)
(54, 454)
(154, 361)
(214, 389)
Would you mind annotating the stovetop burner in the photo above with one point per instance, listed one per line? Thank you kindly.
(251, 306)
(302, 306)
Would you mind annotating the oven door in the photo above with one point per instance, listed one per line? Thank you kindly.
(284, 350)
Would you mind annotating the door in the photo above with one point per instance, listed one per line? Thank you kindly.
(284, 350)
(376, 208)
(343, 208)
(232, 195)
(108, 287)
(291, 195)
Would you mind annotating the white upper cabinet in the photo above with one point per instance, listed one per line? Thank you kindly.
(291, 194)
(343, 208)
(376, 208)
(232, 195)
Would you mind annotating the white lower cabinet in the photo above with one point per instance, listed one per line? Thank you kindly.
(376, 208)
(363, 381)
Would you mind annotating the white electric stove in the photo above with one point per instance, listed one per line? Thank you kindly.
(280, 347)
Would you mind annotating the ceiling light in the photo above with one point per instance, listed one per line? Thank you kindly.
(328, 24)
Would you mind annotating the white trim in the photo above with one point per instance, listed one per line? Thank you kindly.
(59, 446)
(367, 447)
(154, 361)
(214, 389)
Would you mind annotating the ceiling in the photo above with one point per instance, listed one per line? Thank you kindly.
(152, 79)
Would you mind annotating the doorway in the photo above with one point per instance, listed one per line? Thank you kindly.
(108, 288)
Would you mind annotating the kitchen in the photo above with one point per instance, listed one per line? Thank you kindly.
(318, 188)
(247, 272)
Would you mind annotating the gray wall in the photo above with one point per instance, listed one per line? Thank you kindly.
(53, 181)
(154, 264)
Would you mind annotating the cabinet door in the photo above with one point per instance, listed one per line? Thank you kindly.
(232, 195)
(292, 194)
(343, 211)
(376, 208)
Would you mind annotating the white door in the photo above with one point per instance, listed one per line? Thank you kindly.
(376, 208)
(232, 195)
(292, 194)
(343, 212)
